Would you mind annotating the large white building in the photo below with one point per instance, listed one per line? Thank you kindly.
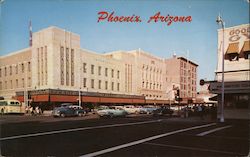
(56, 69)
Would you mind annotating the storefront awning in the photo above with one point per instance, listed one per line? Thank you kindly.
(233, 48)
(246, 46)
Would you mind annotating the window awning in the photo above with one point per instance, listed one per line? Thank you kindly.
(246, 46)
(233, 48)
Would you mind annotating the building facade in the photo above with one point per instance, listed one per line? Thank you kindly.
(236, 71)
(181, 74)
(56, 69)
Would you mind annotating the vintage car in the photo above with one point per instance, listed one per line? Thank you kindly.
(68, 110)
(148, 109)
(111, 112)
(130, 109)
(163, 111)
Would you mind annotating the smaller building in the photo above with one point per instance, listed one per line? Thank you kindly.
(181, 74)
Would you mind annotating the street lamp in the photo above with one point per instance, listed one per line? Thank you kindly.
(219, 20)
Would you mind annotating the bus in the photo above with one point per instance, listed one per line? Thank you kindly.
(11, 106)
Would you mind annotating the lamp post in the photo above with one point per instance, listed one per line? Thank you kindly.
(219, 20)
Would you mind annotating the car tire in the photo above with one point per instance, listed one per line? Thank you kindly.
(2, 111)
(62, 115)
(111, 115)
(80, 114)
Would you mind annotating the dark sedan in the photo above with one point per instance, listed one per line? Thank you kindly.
(163, 111)
(67, 111)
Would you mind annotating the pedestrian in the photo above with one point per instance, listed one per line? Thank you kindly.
(27, 109)
(31, 110)
(199, 108)
(37, 110)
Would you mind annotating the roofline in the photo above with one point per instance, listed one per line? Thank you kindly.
(16, 52)
(52, 27)
(182, 58)
(247, 24)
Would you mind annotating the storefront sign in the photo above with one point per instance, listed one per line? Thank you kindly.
(236, 34)
(231, 87)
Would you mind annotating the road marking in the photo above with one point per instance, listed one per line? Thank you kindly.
(196, 149)
(214, 130)
(143, 140)
(77, 129)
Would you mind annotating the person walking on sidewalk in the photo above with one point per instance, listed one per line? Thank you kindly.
(200, 112)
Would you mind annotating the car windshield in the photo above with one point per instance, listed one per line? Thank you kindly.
(66, 104)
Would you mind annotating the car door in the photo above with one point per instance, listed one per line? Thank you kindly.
(70, 111)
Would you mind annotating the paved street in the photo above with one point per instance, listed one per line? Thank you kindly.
(131, 136)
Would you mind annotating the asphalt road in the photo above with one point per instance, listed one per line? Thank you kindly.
(132, 136)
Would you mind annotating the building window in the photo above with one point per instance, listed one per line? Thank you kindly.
(99, 70)
(29, 67)
(118, 86)
(84, 82)
(67, 66)
(99, 84)
(11, 84)
(233, 57)
(23, 82)
(22, 68)
(62, 64)
(92, 83)
(0, 72)
(10, 70)
(1, 86)
(84, 67)
(106, 85)
(29, 82)
(118, 74)
(112, 86)
(72, 68)
(17, 83)
(247, 55)
(16, 69)
(112, 73)
(5, 71)
(106, 71)
(92, 69)
(6, 84)
(46, 65)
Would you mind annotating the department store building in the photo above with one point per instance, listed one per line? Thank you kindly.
(55, 69)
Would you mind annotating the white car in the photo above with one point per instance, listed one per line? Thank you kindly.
(148, 109)
(131, 109)
(111, 112)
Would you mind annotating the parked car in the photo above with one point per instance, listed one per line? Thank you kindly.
(67, 111)
(163, 111)
(148, 109)
(130, 109)
(111, 112)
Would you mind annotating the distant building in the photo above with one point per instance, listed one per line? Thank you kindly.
(236, 71)
(55, 69)
(182, 74)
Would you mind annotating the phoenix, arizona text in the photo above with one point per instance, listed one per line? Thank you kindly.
(104, 16)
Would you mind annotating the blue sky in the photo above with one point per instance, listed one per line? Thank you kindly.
(80, 16)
